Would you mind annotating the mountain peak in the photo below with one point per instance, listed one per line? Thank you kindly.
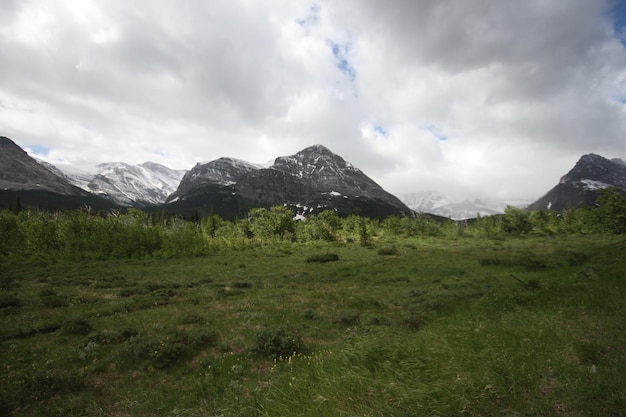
(8, 144)
(619, 161)
(579, 187)
(22, 172)
(4, 141)
(224, 171)
(592, 167)
(312, 180)
(315, 162)
(317, 148)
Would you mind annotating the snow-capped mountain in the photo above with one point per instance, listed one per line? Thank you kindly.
(579, 187)
(223, 172)
(327, 173)
(143, 185)
(435, 202)
(310, 181)
(316, 179)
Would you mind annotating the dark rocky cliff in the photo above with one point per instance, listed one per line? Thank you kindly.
(580, 186)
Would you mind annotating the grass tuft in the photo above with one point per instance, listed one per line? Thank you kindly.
(323, 258)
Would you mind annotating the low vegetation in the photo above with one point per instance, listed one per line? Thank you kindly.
(418, 318)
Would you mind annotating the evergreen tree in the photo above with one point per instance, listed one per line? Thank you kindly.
(516, 221)
(611, 211)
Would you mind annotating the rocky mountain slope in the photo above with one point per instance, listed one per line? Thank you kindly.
(144, 185)
(24, 179)
(221, 172)
(579, 187)
(19, 171)
(312, 180)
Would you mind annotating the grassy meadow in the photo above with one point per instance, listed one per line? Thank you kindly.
(530, 326)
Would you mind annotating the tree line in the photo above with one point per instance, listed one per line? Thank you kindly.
(37, 236)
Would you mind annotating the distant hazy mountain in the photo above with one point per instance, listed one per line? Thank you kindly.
(312, 180)
(147, 184)
(435, 202)
(579, 187)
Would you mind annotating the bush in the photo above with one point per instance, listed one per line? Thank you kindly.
(348, 318)
(47, 292)
(577, 258)
(55, 301)
(415, 321)
(165, 350)
(77, 327)
(323, 258)
(9, 300)
(388, 250)
(275, 343)
(527, 261)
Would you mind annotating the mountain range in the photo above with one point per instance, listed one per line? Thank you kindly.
(25, 182)
(139, 186)
(309, 181)
(312, 180)
(436, 202)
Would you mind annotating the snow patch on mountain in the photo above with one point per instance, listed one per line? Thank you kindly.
(593, 185)
(140, 185)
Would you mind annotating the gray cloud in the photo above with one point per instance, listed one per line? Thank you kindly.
(465, 97)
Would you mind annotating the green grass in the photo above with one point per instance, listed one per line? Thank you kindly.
(520, 327)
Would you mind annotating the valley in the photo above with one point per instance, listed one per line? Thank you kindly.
(437, 325)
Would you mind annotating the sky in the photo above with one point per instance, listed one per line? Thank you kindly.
(480, 98)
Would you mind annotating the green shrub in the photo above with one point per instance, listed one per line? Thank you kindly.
(415, 321)
(47, 292)
(7, 282)
(9, 300)
(348, 318)
(77, 327)
(323, 258)
(527, 261)
(106, 337)
(165, 350)
(533, 284)
(55, 301)
(310, 315)
(242, 285)
(388, 250)
(50, 382)
(577, 258)
(278, 342)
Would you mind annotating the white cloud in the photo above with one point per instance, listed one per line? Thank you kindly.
(475, 98)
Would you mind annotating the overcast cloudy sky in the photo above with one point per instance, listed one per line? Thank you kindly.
(472, 98)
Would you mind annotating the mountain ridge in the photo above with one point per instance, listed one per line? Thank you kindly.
(312, 180)
(309, 181)
(438, 203)
(26, 183)
(141, 185)
(21, 172)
